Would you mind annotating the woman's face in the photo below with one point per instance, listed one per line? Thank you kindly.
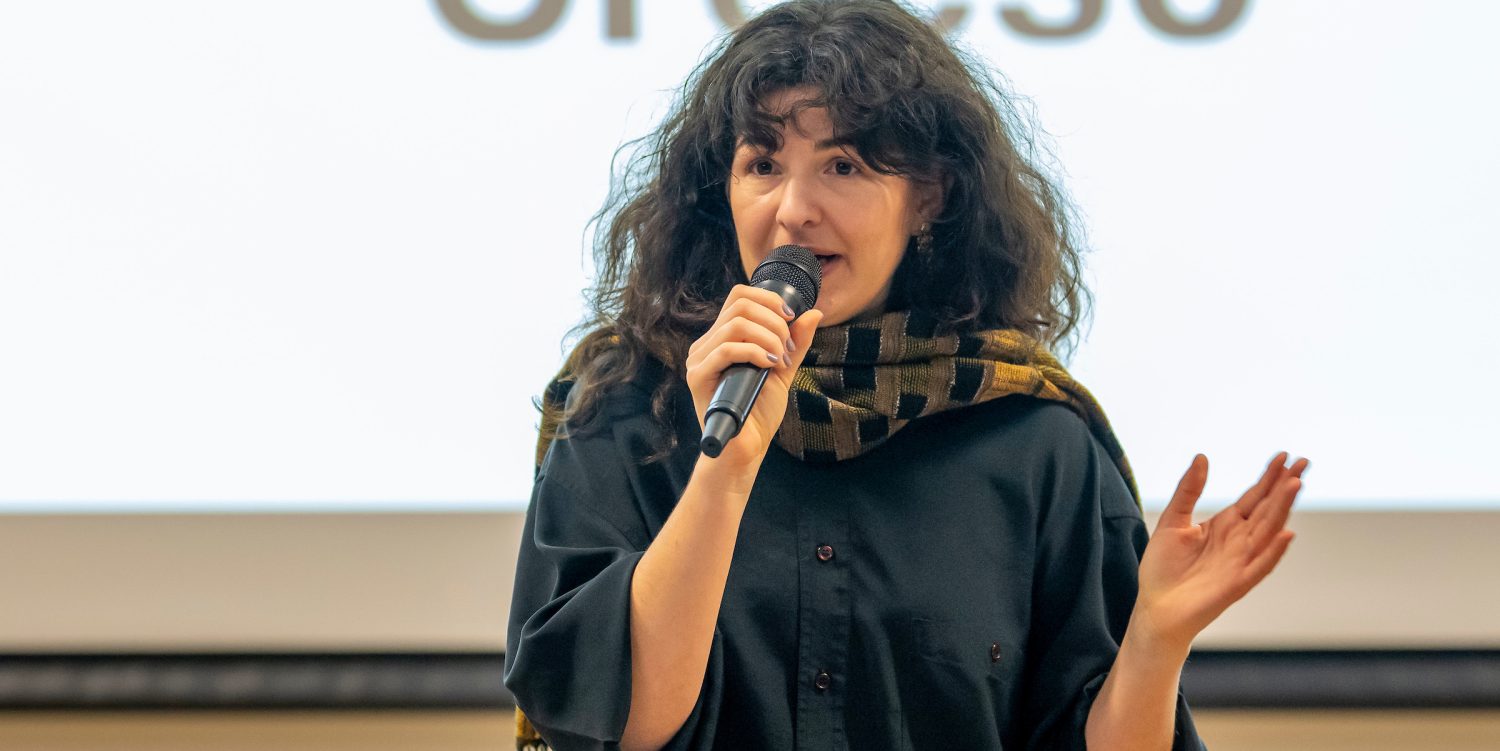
(821, 196)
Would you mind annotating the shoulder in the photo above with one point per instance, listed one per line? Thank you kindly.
(613, 469)
(627, 404)
(627, 396)
(621, 416)
(1039, 427)
(1012, 436)
(1041, 444)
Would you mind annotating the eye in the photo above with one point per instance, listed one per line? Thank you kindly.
(845, 167)
(760, 166)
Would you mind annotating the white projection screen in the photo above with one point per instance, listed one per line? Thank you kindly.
(314, 260)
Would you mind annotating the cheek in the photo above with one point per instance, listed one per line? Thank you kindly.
(750, 219)
(745, 243)
(885, 235)
(756, 210)
(740, 218)
(882, 219)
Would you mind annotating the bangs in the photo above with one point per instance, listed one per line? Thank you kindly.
(874, 102)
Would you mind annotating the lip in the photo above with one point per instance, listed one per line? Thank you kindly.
(830, 260)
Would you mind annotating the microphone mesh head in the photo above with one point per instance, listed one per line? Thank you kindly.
(794, 265)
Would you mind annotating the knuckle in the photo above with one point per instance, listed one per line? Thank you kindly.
(753, 331)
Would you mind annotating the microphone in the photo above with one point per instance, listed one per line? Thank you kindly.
(792, 272)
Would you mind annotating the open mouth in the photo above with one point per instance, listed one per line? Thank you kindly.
(824, 262)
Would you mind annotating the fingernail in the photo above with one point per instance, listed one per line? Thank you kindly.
(791, 346)
(786, 310)
(772, 357)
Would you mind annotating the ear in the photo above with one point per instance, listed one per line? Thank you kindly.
(930, 195)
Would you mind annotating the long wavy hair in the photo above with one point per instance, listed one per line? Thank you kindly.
(1005, 250)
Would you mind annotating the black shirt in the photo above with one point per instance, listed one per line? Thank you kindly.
(964, 585)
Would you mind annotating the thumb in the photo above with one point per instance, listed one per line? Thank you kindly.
(1179, 510)
(802, 335)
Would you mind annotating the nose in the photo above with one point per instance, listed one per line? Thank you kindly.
(800, 205)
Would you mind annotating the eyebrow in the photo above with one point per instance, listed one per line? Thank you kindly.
(827, 143)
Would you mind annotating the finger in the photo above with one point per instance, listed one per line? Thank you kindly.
(1273, 471)
(734, 353)
(1247, 502)
(803, 330)
(1271, 516)
(1179, 510)
(1263, 563)
(763, 298)
(746, 330)
(773, 319)
(743, 320)
(770, 313)
(1299, 466)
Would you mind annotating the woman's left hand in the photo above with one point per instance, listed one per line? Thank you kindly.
(1190, 573)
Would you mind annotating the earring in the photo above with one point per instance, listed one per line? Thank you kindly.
(924, 239)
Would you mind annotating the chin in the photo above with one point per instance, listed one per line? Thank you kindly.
(830, 317)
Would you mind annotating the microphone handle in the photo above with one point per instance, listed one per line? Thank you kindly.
(731, 406)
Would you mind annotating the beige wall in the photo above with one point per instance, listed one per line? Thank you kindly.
(442, 582)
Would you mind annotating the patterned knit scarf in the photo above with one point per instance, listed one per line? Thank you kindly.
(867, 378)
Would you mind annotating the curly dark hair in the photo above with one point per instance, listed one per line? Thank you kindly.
(1004, 249)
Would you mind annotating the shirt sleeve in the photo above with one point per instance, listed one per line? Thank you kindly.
(1089, 544)
(567, 658)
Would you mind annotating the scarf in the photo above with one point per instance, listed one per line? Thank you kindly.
(865, 379)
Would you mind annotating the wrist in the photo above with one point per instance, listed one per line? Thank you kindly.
(728, 474)
(1145, 639)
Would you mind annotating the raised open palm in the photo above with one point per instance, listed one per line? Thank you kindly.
(1191, 573)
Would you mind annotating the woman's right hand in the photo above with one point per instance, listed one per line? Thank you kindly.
(753, 327)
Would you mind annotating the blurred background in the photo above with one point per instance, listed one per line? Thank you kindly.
(278, 283)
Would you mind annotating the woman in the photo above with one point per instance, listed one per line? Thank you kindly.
(944, 548)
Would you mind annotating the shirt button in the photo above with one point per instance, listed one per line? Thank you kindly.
(825, 552)
(823, 681)
(995, 652)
